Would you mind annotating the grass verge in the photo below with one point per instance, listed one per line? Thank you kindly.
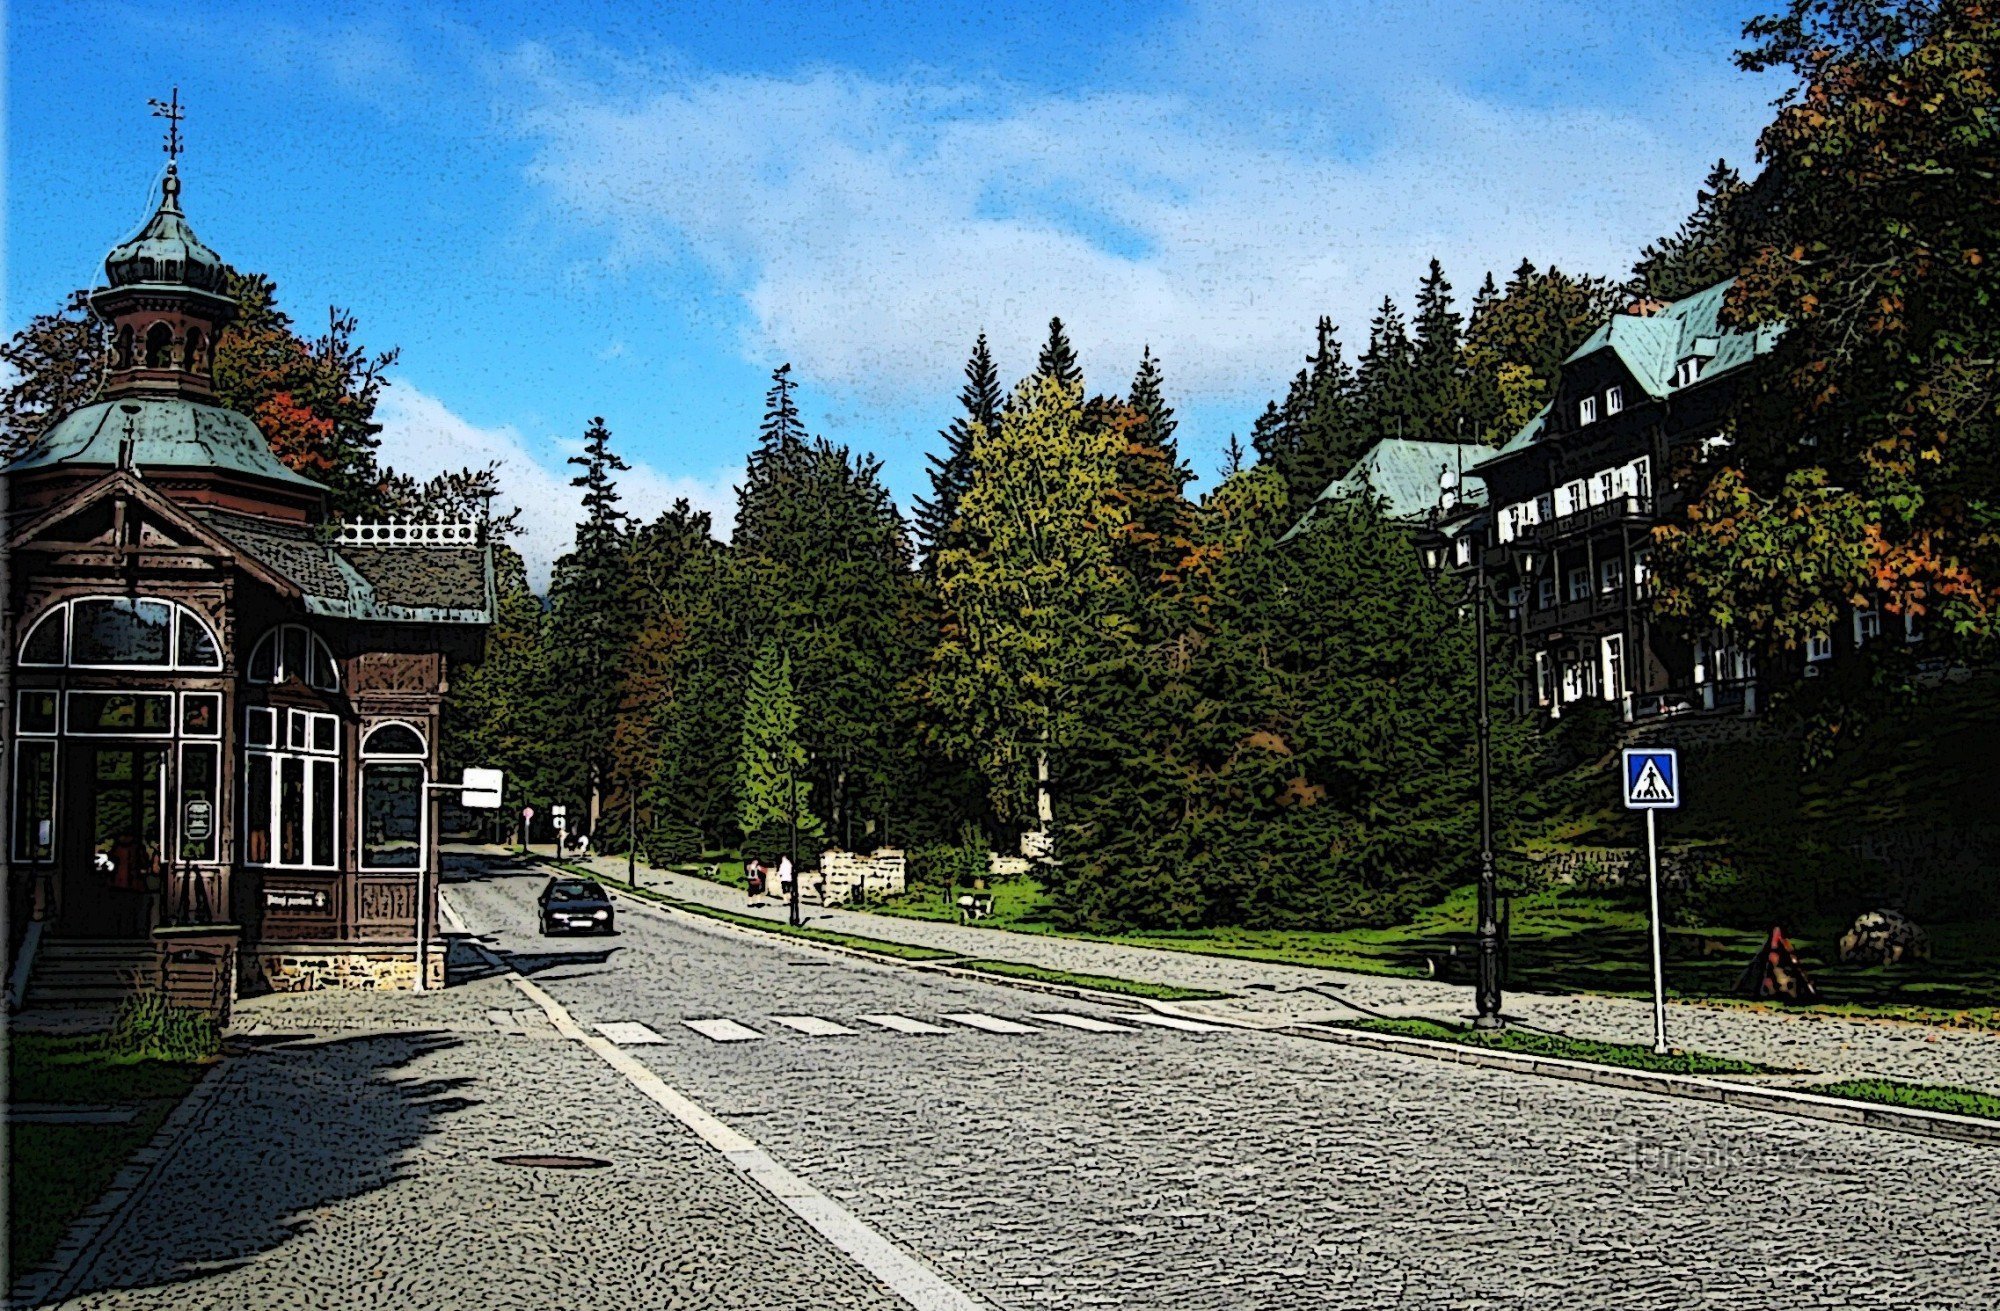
(1522, 1042)
(55, 1171)
(1099, 982)
(806, 933)
(1915, 1096)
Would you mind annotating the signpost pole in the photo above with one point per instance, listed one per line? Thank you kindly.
(1659, 938)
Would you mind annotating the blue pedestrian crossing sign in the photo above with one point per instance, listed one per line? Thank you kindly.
(1652, 778)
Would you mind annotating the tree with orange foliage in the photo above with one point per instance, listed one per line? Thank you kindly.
(1867, 471)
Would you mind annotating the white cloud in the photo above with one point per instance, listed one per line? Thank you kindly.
(871, 227)
(421, 436)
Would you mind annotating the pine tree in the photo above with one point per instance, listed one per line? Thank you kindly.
(586, 623)
(980, 401)
(771, 763)
(1146, 398)
(1233, 458)
(1435, 362)
(1057, 360)
(1385, 384)
(1712, 243)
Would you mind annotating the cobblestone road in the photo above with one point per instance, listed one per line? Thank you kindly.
(1153, 1168)
(349, 1161)
(1826, 1045)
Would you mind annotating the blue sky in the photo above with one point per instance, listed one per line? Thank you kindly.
(559, 210)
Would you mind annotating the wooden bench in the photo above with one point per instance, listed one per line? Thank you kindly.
(974, 906)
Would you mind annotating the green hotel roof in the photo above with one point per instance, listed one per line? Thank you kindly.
(1651, 346)
(1403, 473)
(168, 432)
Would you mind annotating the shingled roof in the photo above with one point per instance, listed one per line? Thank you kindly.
(1404, 473)
(415, 584)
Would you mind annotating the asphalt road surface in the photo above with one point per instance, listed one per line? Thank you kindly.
(1036, 1151)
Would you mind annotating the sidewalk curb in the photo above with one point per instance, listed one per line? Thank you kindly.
(1688, 1087)
(79, 1248)
(934, 967)
(1742, 1096)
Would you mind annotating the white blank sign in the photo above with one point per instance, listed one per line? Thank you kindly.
(482, 789)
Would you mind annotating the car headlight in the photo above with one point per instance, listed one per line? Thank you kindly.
(602, 915)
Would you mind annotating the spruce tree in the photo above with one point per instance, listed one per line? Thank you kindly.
(1146, 399)
(771, 763)
(585, 619)
(1234, 457)
(1385, 384)
(1435, 364)
(980, 403)
(1711, 244)
(1058, 360)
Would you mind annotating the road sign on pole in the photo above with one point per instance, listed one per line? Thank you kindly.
(1652, 778)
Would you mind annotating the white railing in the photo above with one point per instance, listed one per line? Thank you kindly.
(409, 532)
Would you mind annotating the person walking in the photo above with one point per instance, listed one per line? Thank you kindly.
(753, 878)
(785, 877)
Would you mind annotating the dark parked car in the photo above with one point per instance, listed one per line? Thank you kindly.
(575, 906)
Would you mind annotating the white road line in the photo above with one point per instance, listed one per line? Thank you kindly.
(1176, 1022)
(990, 1023)
(722, 1030)
(903, 1024)
(812, 1025)
(627, 1033)
(1088, 1023)
(450, 915)
(905, 1276)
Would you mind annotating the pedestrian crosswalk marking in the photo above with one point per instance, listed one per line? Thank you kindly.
(812, 1025)
(628, 1034)
(1088, 1023)
(903, 1024)
(722, 1030)
(1176, 1022)
(990, 1023)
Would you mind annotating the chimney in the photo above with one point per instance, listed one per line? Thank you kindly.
(1645, 307)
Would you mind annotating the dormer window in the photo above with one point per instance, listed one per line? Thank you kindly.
(1614, 400)
(1687, 370)
(1586, 411)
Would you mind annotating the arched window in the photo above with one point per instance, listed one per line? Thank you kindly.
(191, 359)
(159, 344)
(293, 651)
(394, 740)
(124, 346)
(392, 798)
(121, 632)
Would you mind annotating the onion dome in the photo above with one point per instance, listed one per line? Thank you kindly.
(166, 251)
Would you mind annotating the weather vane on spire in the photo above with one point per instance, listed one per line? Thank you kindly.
(172, 112)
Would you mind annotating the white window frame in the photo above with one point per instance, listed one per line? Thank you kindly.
(1614, 401)
(280, 672)
(311, 759)
(21, 715)
(371, 757)
(1545, 684)
(1575, 497)
(1687, 371)
(64, 612)
(1586, 412)
(1611, 575)
(1867, 625)
(1611, 651)
(1641, 572)
(1578, 574)
(173, 710)
(1547, 594)
(1819, 648)
(54, 748)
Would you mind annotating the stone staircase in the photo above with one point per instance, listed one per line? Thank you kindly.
(99, 974)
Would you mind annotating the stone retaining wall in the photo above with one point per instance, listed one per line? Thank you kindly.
(305, 968)
(878, 874)
(1611, 867)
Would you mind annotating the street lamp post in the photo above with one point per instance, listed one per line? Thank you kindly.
(792, 819)
(1434, 550)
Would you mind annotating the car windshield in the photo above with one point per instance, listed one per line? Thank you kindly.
(575, 891)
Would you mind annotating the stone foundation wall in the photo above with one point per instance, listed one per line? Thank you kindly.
(878, 874)
(302, 968)
(1611, 867)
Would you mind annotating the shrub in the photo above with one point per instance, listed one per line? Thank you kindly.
(148, 1028)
